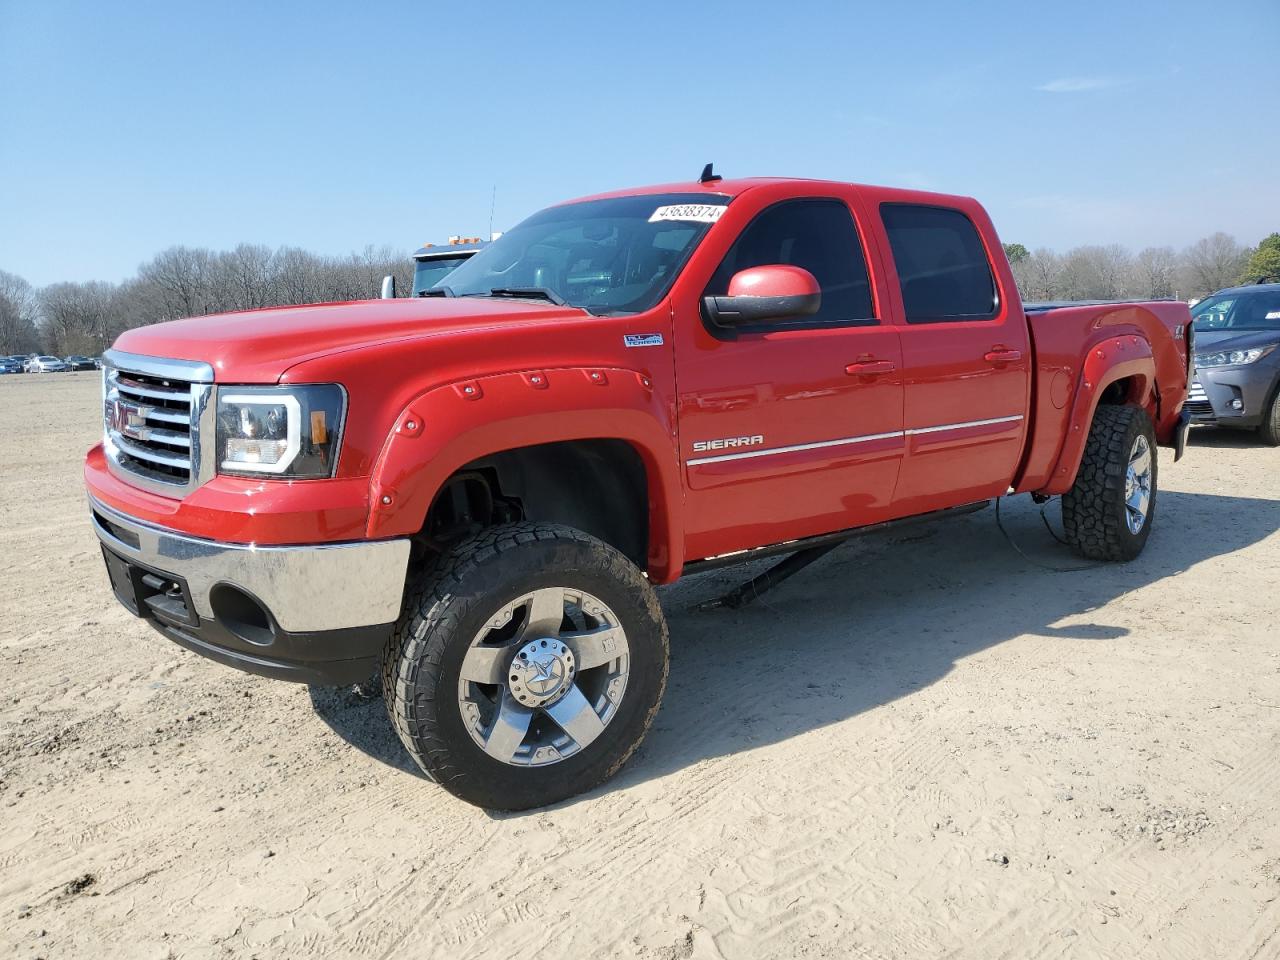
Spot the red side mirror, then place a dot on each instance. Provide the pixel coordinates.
(774, 280)
(766, 293)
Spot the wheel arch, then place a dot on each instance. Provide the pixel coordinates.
(1117, 371)
(603, 437)
(596, 485)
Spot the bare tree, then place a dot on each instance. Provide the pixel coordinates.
(1095, 273)
(1213, 263)
(243, 278)
(78, 316)
(1155, 271)
(18, 311)
(183, 275)
(1039, 275)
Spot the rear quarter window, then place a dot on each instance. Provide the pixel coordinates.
(942, 267)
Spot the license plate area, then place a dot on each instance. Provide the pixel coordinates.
(149, 593)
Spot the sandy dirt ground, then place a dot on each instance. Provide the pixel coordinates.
(925, 746)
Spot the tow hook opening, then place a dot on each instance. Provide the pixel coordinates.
(242, 614)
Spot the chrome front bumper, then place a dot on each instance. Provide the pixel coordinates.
(307, 589)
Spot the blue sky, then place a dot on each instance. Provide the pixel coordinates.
(126, 127)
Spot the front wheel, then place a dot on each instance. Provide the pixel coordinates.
(527, 666)
(1269, 429)
(1108, 512)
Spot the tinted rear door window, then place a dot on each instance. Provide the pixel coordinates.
(941, 264)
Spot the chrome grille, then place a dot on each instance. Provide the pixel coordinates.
(1198, 402)
(154, 412)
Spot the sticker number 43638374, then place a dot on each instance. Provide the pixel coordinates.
(692, 212)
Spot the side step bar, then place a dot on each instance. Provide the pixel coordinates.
(802, 553)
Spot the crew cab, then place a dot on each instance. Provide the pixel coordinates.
(474, 493)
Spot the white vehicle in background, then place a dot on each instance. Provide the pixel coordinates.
(45, 365)
(432, 263)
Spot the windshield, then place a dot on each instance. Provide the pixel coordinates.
(1239, 310)
(612, 256)
(430, 273)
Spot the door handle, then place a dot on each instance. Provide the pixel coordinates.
(869, 368)
(1002, 355)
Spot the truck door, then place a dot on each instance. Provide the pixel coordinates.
(967, 358)
(793, 428)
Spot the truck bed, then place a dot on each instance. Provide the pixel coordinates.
(1041, 306)
(1073, 343)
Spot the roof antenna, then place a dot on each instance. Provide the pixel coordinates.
(708, 176)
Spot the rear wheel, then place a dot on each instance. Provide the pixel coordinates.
(1108, 512)
(527, 666)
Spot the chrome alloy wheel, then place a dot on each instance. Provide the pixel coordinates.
(1137, 485)
(543, 677)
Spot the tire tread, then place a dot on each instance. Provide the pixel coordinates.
(435, 602)
(1092, 515)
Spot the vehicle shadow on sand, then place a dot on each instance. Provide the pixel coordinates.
(876, 620)
(1226, 438)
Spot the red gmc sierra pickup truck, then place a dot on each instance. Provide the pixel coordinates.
(474, 491)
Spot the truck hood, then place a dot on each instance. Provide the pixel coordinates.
(258, 346)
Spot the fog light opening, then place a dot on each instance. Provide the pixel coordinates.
(242, 614)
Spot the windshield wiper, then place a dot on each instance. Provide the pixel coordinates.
(440, 291)
(531, 293)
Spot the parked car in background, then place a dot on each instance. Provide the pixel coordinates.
(45, 365)
(1237, 378)
(80, 363)
(10, 365)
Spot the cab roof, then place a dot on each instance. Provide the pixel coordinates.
(733, 188)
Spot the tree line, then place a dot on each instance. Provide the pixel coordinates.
(84, 318)
(1113, 272)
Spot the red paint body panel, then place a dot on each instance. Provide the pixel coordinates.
(949, 381)
(1079, 352)
(791, 388)
(566, 405)
(242, 510)
(848, 415)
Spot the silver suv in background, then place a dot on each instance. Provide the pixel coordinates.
(1237, 375)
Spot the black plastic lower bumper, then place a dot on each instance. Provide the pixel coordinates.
(1180, 434)
(326, 657)
(212, 640)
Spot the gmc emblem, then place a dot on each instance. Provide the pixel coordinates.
(128, 419)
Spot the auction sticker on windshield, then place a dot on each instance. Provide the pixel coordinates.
(692, 212)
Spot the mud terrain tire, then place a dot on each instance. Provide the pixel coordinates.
(1094, 512)
(454, 601)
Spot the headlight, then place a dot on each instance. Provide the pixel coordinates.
(1225, 358)
(280, 431)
